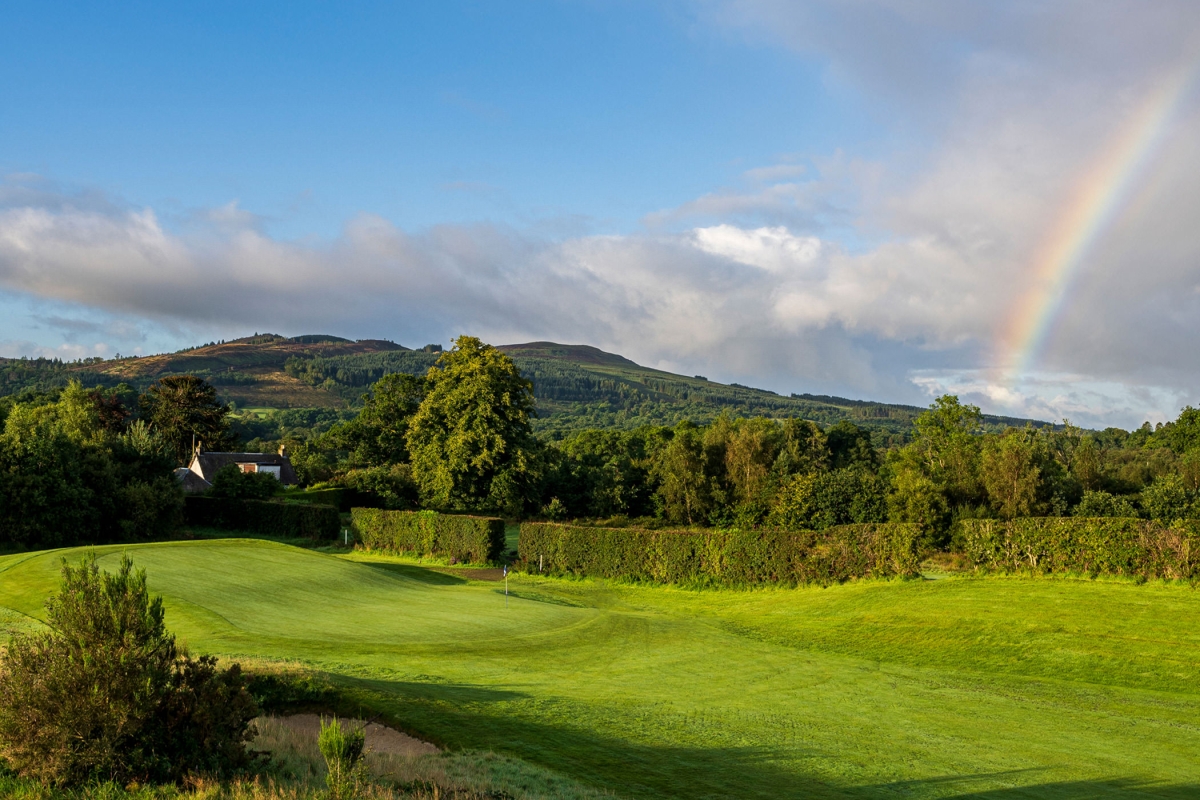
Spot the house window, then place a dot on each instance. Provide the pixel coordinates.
(249, 467)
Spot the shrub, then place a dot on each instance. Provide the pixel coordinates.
(231, 483)
(1103, 504)
(269, 518)
(428, 533)
(343, 752)
(389, 487)
(333, 496)
(1098, 545)
(106, 695)
(722, 557)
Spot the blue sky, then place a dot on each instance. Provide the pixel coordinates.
(806, 196)
(578, 114)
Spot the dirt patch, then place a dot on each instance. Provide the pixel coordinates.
(380, 738)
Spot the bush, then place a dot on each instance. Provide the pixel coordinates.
(343, 752)
(105, 695)
(386, 487)
(333, 496)
(1099, 545)
(727, 558)
(428, 533)
(1103, 504)
(269, 518)
(231, 483)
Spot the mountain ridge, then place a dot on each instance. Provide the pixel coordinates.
(576, 386)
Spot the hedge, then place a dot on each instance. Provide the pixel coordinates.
(1106, 545)
(267, 517)
(728, 558)
(325, 497)
(428, 533)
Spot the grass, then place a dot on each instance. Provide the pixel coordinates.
(993, 688)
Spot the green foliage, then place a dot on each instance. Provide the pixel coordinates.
(1102, 545)
(1010, 475)
(684, 476)
(269, 518)
(728, 558)
(342, 750)
(603, 473)
(474, 540)
(64, 478)
(230, 483)
(106, 695)
(822, 500)
(471, 442)
(378, 435)
(323, 496)
(1103, 504)
(1167, 499)
(391, 487)
(184, 409)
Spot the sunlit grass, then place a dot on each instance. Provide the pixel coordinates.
(945, 688)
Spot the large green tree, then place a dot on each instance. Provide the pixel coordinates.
(470, 440)
(185, 411)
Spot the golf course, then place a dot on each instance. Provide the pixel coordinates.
(931, 688)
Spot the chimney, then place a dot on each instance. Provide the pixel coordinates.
(283, 450)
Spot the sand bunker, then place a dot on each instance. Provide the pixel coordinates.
(380, 738)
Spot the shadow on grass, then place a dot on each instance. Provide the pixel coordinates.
(953, 788)
(416, 573)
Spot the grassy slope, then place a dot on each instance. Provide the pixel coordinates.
(985, 688)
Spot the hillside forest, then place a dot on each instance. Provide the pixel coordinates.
(97, 463)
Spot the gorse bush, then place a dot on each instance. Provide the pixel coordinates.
(730, 558)
(269, 518)
(106, 695)
(1099, 545)
(428, 533)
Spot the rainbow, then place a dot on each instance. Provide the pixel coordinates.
(1097, 200)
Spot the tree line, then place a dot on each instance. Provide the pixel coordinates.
(460, 438)
(737, 472)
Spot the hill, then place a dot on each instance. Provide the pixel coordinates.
(577, 386)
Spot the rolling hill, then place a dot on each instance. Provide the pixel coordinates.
(577, 386)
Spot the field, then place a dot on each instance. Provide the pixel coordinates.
(959, 687)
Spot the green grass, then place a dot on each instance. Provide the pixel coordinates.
(993, 688)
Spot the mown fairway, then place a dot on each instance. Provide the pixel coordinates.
(952, 688)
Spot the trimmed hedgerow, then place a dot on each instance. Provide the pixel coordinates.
(324, 497)
(730, 558)
(1095, 546)
(268, 517)
(428, 533)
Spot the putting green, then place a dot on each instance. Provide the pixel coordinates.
(993, 688)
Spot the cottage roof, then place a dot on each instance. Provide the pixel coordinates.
(192, 482)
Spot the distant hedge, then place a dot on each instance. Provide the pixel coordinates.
(267, 517)
(729, 558)
(428, 533)
(325, 497)
(1104, 545)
